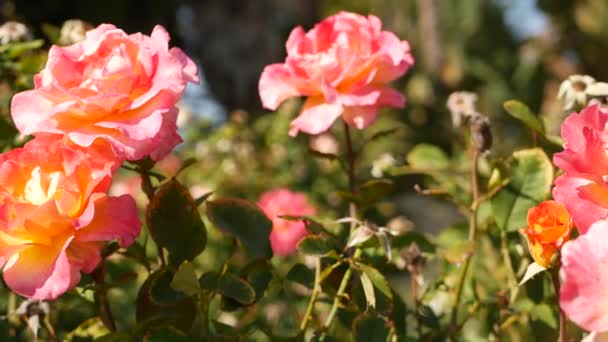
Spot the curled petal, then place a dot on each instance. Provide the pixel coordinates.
(41, 272)
(276, 85)
(316, 116)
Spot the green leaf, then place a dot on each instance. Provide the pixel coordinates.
(236, 288)
(373, 191)
(428, 158)
(302, 275)
(544, 313)
(243, 220)
(532, 270)
(314, 245)
(522, 113)
(174, 222)
(203, 198)
(166, 334)
(313, 224)
(259, 275)
(185, 280)
(377, 279)
(157, 301)
(209, 281)
(382, 134)
(328, 156)
(531, 179)
(370, 327)
(368, 289)
(428, 317)
(15, 49)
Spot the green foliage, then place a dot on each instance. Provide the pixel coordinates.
(370, 327)
(531, 176)
(427, 157)
(244, 221)
(315, 245)
(174, 222)
(157, 301)
(522, 113)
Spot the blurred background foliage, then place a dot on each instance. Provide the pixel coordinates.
(499, 49)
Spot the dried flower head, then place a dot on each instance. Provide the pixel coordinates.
(481, 132)
(13, 31)
(461, 104)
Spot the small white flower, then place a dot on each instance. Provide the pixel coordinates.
(73, 31)
(573, 91)
(381, 164)
(13, 31)
(461, 104)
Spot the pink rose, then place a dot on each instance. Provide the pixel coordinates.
(55, 215)
(118, 87)
(584, 295)
(343, 66)
(583, 188)
(285, 234)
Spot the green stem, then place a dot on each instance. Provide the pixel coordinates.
(352, 185)
(313, 297)
(340, 294)
(512, 278)
(562, 317)
(472, 239)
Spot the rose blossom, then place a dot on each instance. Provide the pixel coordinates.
(285, 234)
(118, 87)
(549, 227)
(584, 295)
(55, 215)
(583, 188)
(343, 66)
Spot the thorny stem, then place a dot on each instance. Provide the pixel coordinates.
(353, 213)
(472, 239)
(313, 297)
(101, 298)
(562, 317)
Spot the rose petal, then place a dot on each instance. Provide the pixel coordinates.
(584, 295)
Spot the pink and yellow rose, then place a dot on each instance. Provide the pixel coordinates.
(55, 215)
(584, 294)
(114, 86)
(285, 234)
(343, 65)
(583, 187)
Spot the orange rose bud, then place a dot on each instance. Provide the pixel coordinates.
(549, 227)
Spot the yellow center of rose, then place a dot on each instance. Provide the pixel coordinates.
(41, 187)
